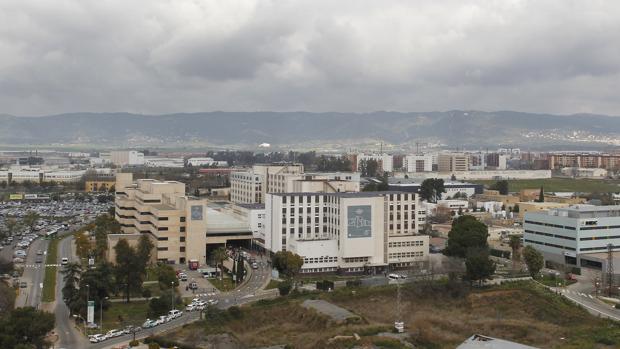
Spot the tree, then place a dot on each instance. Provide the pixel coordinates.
(467, 232)
(220, 255)
(541, 195)
(479, 266)
(515, 245)
(166, 276)
(143, 252)
(30, 220)
(129, 270)
(369, 168)
(501, 186)
(285, 287)
(287, 263)
(26, 326)
(533, 259)
(71, 276)
(162, 304)
(431, 189)
(515, 208)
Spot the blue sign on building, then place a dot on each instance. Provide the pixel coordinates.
(359, 221)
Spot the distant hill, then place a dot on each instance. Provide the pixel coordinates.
(451, 128)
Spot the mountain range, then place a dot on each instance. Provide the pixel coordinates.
(456, 128)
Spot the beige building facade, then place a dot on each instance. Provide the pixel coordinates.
(453, 162)
(175, 222)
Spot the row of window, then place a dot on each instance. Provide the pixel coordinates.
(551, 225)
(600, 238)
(405, 243)
(602, 227)
(181, 249)
(356, 260)
(406, 254)
(321, 260)
(550, 245)
(597, 248)
(550, 235)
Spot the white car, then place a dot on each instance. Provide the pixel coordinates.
(96, 338)
(190, 307)
(175, 313)
(213, 301)
(64, 261)
(20, 253)
(149, 323)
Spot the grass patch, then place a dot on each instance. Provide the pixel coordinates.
(272, 284)
(49, 282)
(561, 185)
(437, 315)
(224, 285)
(119, 315)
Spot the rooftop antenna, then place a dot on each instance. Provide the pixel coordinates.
(610, 269)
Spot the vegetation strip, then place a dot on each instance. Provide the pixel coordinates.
(49, 283)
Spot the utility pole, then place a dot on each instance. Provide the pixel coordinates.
(610, 269)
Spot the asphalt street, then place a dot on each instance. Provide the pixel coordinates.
(33, 275)
(68, 336)
(248, 292)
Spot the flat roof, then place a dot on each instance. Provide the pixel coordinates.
(252, 206)
(220, 221)
(361, 194)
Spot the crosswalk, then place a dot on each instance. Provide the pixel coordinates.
(37, 266)
(585, 295)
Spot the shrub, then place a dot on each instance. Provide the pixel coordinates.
(235, 312)
(617, 306)
(134, 343)
(153, 346)
(146, 293)
(325, 285)
(354, 283)
(285, 287)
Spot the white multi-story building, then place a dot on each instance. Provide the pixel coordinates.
(352, 232)
(126, 158)
(418, 163)
(38, 175)
(254, 214)
(246, 187)
(576, 236)
(251, 187)
(386, 161)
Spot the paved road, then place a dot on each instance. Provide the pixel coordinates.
(248, 292)
(590, 303)
(33, 275)
(68, 336)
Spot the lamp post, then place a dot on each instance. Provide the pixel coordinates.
(87, 294)
(101, 312)
(172, 294)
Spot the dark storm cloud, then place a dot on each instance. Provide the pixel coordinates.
(161, 56)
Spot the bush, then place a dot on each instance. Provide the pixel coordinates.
(146, 293)
(325, 285)
(285, 287)
(354, 283)
(617, 306)
(134, 343)
(153, 346)
(235, 312)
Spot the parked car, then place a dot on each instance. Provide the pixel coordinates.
(39, 259)
(64, 261)
(148, 323)
(254, 265)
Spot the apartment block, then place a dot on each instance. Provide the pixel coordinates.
(453, 162)
(246, 187)
(175, 223)
(352, 232)
(314, 182)
(584, 160)
(418, 163)
(126, 158)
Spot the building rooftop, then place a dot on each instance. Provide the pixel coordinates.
(362, 194)
(252, 206)
(221, 221)
(483, 342)
(586, 211)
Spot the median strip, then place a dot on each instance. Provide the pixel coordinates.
(49, 283)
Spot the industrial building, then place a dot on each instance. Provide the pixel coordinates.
(575, 236)
(364, 232)
(452, 188)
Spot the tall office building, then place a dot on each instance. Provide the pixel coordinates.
(352, 232)
(453, 162)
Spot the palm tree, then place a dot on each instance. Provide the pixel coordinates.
(220, 255)
(515, 245)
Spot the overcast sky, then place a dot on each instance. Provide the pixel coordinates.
(157, 56)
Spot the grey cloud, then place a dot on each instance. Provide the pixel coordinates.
(177, 56)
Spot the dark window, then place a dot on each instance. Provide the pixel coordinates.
(162, 239)
(182, 219)
(182, 248)
(182, 239)
(162, 249)
(182, 230)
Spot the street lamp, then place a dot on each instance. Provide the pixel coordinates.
(172, 294)
(87, 294)
(101, 312)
